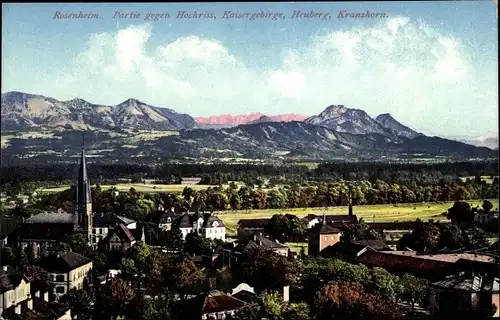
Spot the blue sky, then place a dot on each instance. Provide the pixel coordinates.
(432, 65)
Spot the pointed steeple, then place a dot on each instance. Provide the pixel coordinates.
(83, 186)
(350, 201)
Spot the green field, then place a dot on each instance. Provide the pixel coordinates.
(487, 179)
(370, 213)
(139, 187)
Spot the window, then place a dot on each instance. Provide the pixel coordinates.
(59, 278)
(60, 289)
(326, 238)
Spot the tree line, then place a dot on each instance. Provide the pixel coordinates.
(222, 173)
(137, 205)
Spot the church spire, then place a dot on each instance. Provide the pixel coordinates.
(83, 200)
(350, 200)
(83, 187)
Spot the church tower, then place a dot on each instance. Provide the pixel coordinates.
(83, 200)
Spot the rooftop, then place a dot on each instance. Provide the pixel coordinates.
(447, 257)
(51, 217)
(324, 228)
(469, 282)
(64, 262)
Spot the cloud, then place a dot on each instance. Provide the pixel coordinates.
(400, 66)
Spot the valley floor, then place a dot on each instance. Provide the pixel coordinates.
(370, 213)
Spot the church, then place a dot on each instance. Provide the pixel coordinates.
(43, 232)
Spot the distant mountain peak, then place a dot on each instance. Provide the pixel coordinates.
(22, 111)
(394, 126)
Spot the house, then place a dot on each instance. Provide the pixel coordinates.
(247, 227)
(428, 266)
(485, 217)
(120, 238)
(320, 236)
(460, 293)
(161, 219)
(67, 270)
(211, 305)
(244, 293)
(15, 293)
(229, 252)
(17, 300)
(207, 225)
(104, 222)
(190, 181)
(334, 219)
(350, 250)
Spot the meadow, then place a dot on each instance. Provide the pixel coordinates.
(139, 187)
(370, 213)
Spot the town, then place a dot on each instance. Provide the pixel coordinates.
(178, 264)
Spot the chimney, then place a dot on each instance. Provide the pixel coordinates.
(350, 202)
(286, 293)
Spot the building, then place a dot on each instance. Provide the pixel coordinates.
(17, 300)
(350, 250)
(428, 266)
(207, 225)
(462, 293)
(230, 252)
(42, 233)
(320, 236)
(485, 217)
(104, 222)
(336, 220)
(161, 219)
(211, 305)
(190, 181)
(67, 270)
(120, 238)
(15, 293)
(247, 227)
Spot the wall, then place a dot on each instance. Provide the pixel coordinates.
(328, 240)
(78, 275)
(15, 296)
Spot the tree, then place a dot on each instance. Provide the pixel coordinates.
(279, 227)
(265, 269)
(350, 301)
(414, 289)
(182, 276)
(461, 212)
(118, 295)
(487, 206)
(475, 238)
(81, 303)
(79, 243)
(196, 245)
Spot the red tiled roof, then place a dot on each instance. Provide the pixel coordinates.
(447, 257)
(388, 259)
(123, 232)
(220, 302)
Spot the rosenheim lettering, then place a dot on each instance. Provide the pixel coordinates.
(79, 15)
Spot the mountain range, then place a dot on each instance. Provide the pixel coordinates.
(35, 125)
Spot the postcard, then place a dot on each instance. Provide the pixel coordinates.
(249, 160)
